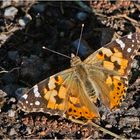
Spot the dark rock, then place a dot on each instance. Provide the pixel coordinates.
(39, 7)
(84, 49)
(81, 16)
(31, 68)
(106, 35)
(10, 89)
(8, 78)
(13, 55)
(20, 91)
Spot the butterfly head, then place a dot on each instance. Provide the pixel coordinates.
(75, 60)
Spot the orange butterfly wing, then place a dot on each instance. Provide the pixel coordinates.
(59, 94)
(114, 61)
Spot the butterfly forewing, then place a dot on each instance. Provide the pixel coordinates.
(117, 55)
(60, 94)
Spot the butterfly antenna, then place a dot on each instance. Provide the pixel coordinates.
(80, 39)
(56, 52)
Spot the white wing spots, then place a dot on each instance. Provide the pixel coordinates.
(51, 83)
(132, 45)
(129, 50)
(26, 102)
(25, 96)
(31, 103)
(107, 51)
(35, 89)
(37, 103)
(133, 40)
(129, 36)
(120, 42)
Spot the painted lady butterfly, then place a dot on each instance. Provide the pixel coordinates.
(74, 92)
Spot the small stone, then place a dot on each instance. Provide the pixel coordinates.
(11, 113)
(13, 100)
(29, 131)
(108, 126)
(2, 94)
(10, 12)
(25, 20)
(103, 117)
(12, 132)
(96, 135)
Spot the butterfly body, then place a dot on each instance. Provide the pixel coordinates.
(74, 92)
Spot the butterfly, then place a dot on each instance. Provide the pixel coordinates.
(75, 92)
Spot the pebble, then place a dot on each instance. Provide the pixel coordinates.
(25, 20)
(11, 113)
(12, 100)
(2, 94)
(10, 12)
(29, 131)
(12, 132)
(108, 126)
(103, 117)
(96, 134)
